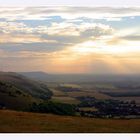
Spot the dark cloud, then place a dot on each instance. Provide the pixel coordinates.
(35, 47)
(131, 37)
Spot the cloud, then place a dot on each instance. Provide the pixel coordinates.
(18, 36)
(63, 28)
(69, 39)
(92, 12)
(131, 37)
(67, 12)
(23, 38)
(37, 47)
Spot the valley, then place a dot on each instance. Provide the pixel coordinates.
(88, 106)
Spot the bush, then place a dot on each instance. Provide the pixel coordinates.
(53, 107)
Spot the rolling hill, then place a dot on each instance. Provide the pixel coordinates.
(18, 92)
(32, 87)
(14, 98)
(42, 76)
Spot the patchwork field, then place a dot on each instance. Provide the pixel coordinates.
(68, 93)
(63, 99)
(12, 121)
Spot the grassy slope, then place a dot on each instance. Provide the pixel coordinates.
(14, 98)
(12, 121)
(31, 87)
(18, 92)
(18, 102)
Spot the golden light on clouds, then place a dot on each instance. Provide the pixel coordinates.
(70, 39)
(8, 38)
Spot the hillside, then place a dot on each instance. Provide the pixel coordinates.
(31, 87)
(18, 92)
(14, 98)
(12, 121)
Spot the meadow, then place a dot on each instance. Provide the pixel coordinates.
(12, 121)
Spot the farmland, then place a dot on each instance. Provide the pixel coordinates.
(68, 106)
(99, 91)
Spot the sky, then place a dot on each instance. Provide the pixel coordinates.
(70, 2)
(70, 39)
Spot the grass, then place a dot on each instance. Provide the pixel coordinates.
(19, 102)
(63, 97)
(58, 93)
(88, 109)
(12, 121)
(71, 85)
(89, 93)
(67, 100)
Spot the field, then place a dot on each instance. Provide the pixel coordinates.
(12, 121)
(117, 91)
(63, 97)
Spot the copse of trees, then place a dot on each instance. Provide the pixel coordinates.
(108, 108)
(53, 107)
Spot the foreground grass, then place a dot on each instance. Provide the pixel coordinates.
(12, 121)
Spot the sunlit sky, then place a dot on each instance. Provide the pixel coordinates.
(70, 2)
(70, 39)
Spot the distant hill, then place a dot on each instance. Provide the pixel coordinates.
(19, 92)
(38, 75)
(42, 76)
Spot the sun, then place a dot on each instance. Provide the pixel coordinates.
(90, 47)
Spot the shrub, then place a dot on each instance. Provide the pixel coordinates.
(53, 107)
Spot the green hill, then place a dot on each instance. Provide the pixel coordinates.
(18, 92)
(14, 98)
(31, 87)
